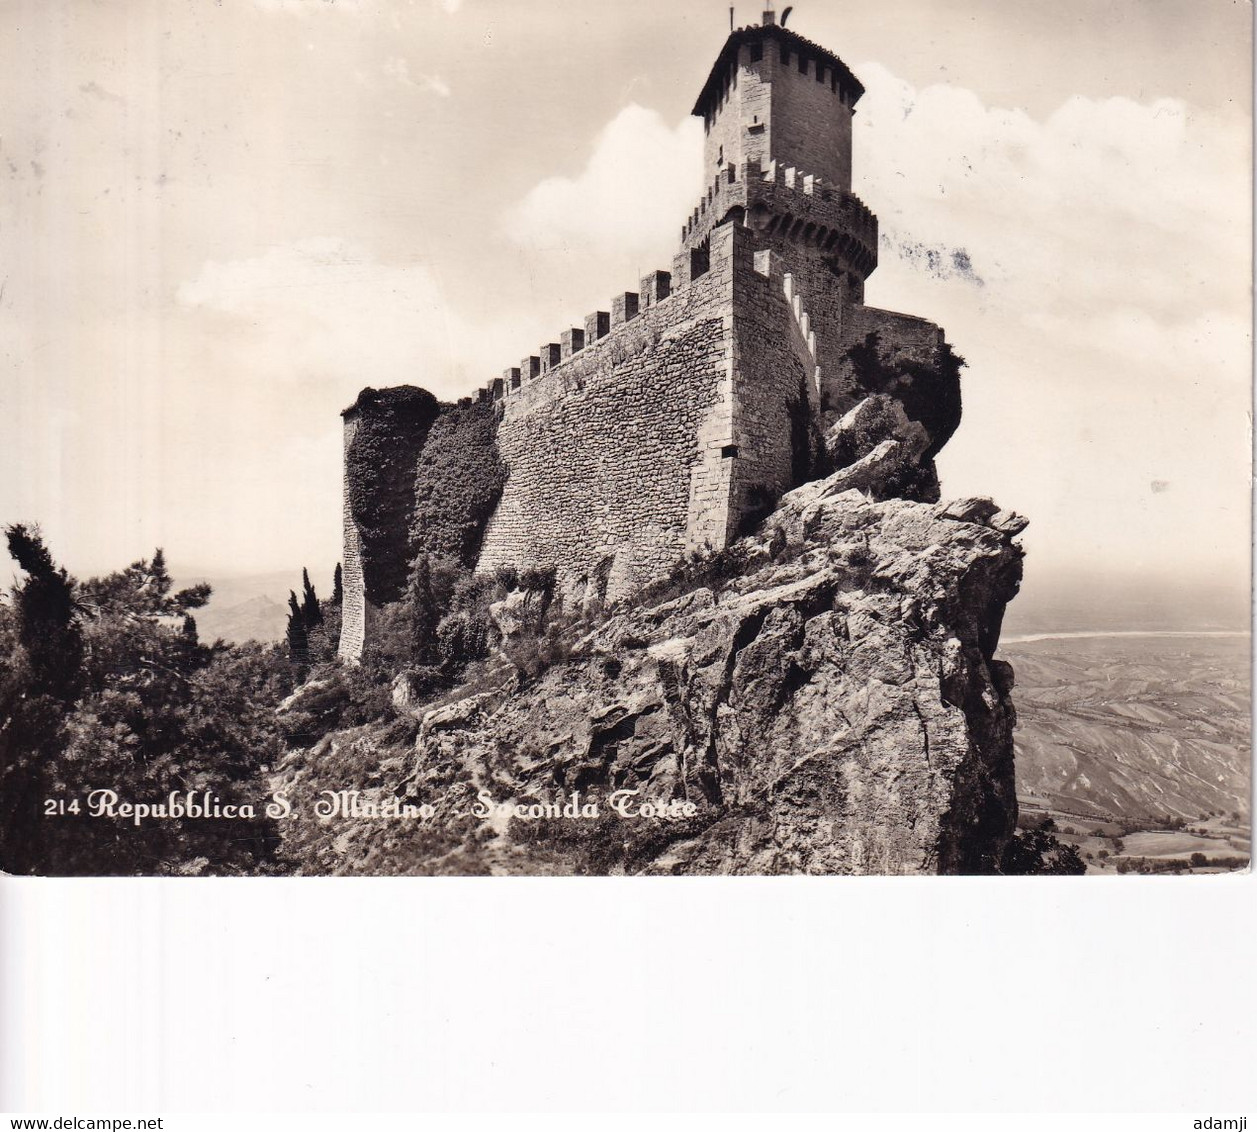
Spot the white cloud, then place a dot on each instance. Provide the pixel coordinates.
(258, 359)
(1107, 201)
(641, 180)
(326, 310)
(1108, 342)
(398, 70)
(436, 85)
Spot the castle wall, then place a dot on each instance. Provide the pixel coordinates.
(671, 426)
(914, 365)
(615, 456)
(900, 337)
(671, 434)
(837, 320)
(903, 335)
(825, 296)
(772, 399)
(354, 610)
(672, 421)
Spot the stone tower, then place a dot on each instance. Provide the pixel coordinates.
(773, 95)
(673, 421)
(777, 111)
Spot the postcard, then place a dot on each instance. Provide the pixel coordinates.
(556, 439)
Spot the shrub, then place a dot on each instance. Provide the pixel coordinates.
(458, 480)
(706, 568)
(137, 706)
(460, 639)
(1037, 853)
(929, 391)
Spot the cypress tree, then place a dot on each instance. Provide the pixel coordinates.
(309, 602)
(423, 617)
(338, 589)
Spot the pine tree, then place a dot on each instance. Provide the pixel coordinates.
(309, 602)
(338, 589)
(46, 608)
(189, 627)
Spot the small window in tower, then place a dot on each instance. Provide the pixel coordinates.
(728, 451)
(820, 73)
(757, 52)
(803, 64)
(833, 81)
(720, 156)
(784, 53)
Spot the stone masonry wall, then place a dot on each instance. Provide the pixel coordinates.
(738, 131)
(672, 429)
(771, 367)
(615, 456)
(811, 121)
(667, 423)
(900, 336)
(354, 606)
(825, 295)
(839, 321)
(769, 108)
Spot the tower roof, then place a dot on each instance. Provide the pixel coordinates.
(759, 33)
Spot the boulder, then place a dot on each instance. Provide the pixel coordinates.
(881, 451)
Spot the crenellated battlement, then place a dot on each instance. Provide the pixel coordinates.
(600, 329)
(765, 196)
(793, 204)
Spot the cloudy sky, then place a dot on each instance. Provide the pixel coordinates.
(221, 218)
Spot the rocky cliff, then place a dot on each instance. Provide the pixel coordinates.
(820, 698)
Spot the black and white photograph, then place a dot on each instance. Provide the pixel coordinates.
(486, 439)
(501, 439)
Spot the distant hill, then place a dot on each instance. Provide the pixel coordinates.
(246, 607)
(1134, 727)
(256, 619)
(1053, 603)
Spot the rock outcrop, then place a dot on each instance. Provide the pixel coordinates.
(879, 450)
(820, 698)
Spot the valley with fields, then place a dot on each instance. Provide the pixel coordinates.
(1135, 747)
